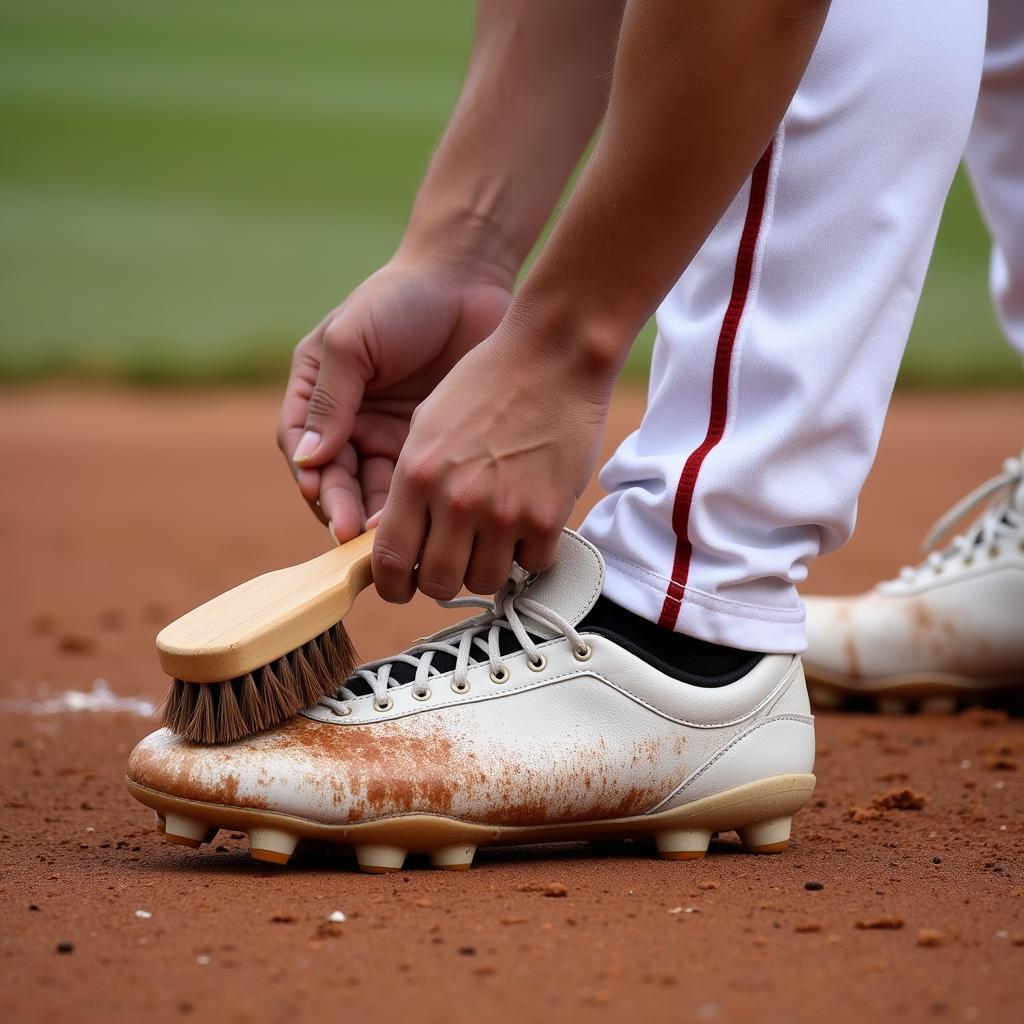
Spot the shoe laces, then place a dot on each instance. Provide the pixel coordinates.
(479, 635)
(1002, 519)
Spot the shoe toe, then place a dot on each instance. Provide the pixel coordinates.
(166, 763)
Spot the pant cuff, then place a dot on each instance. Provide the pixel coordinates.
(702, 615)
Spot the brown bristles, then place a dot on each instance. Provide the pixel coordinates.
(229, 711)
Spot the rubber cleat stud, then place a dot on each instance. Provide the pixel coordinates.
(271, 845)
(892, 706)
(187, 831)
(766, 836)
(682, 845)
(453, 858)
(376, 859)
(939, 704)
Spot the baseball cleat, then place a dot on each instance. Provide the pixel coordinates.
(519, 725)
(945, 632)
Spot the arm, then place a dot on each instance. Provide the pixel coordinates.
(535, 89)
(501, 450)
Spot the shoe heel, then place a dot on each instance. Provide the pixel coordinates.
(766, 836)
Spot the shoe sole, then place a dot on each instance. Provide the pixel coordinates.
(760, 812)
(926, 691)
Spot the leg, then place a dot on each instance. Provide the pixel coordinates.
(778, 348)
(947, 632)
(995, 160)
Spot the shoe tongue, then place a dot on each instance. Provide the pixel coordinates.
(571, 586)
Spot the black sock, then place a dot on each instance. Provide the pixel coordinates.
(694, 661)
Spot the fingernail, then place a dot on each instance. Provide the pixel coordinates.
(334, 536)
(308, 443)
(374, 520)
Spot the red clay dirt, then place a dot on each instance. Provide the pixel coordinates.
(901, 896)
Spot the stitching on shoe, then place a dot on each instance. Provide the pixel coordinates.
(506, 689)
(686, 783)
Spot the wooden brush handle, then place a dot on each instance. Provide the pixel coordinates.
(265, 618)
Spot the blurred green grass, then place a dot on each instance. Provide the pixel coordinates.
(186, 187)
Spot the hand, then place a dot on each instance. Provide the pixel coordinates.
(358, 377)
(492, 467)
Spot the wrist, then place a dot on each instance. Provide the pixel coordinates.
(467, 242)
(565, 338)
(574, 329)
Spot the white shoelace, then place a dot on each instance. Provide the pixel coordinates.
(1003, 519)
(482, 633)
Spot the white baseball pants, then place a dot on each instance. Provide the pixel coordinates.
(778, 348)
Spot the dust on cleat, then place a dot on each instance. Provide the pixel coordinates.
(514, 726)
(945, 632)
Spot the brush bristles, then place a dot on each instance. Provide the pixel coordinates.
(229, 711)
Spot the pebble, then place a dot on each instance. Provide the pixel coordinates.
(555, 890)
(808, 926)
(930, 938)
(65, 947)
(144, 914)
(336, 917)
(814, 886)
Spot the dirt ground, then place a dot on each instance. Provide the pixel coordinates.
(120, 510)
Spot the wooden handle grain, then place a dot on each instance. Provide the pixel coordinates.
(261, 620)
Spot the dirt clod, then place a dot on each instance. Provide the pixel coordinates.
(930, 938)
(884, 922)
(555, 890)
(814, 886)
(65, 947)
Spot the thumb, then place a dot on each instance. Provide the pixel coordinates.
(335, 398)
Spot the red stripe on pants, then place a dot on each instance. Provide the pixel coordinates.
(719, 391)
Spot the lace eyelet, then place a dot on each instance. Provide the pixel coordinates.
(583, 653)
(343, 713)
(421, 695)
(462, 687)
(385, 706)
(501, 676)
(539, 665)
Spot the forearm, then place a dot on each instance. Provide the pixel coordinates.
(536, 87)
(699, 90)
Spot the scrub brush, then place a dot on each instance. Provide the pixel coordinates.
(260, 653)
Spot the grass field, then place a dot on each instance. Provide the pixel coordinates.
(185, 187)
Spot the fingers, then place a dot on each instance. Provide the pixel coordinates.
(341, 499)
(490, 562)
(537, 550)
(375, 475)
(445, 557)
(335, 396)
(397, 545)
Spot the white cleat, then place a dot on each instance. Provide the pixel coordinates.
(556, 734)
(946, 631)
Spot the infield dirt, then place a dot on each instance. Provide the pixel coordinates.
(901, 895)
